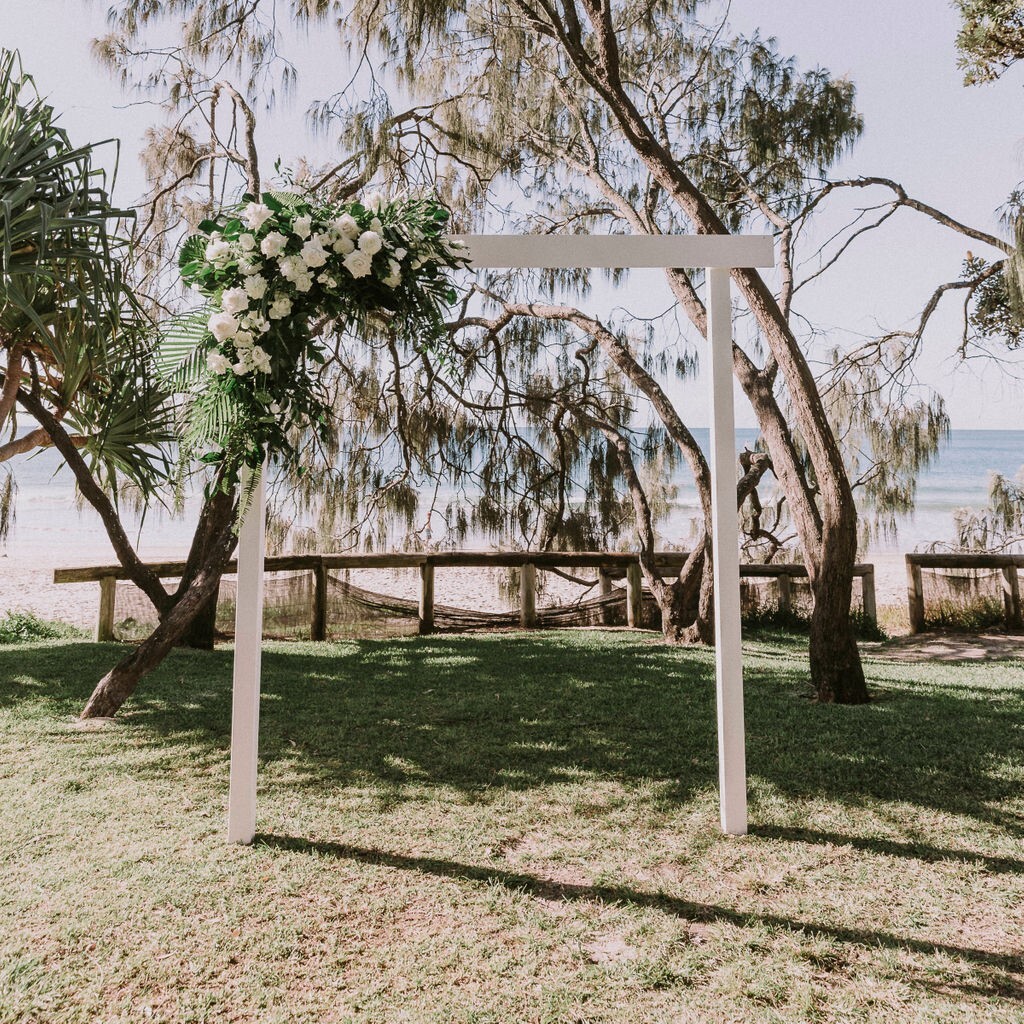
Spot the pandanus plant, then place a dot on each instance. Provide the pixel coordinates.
(75, 346)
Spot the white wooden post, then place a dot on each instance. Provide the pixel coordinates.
(732, 768)
(245, 692)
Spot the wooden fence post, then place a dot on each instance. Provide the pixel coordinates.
(105, 618)
(867, 596)
(528, 595)
(1011, 596)
(634, 596)
(318, 614)
(785, 593)
(915, 596)
(604, 588)
(426, 612)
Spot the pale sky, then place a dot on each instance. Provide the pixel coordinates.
(959, 149)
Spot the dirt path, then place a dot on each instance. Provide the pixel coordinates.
(937, 646)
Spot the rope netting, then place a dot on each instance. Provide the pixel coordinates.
(760, 596)
(355, 611)
(381, 603)
(962, 597)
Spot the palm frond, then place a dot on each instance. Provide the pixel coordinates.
(181, 348)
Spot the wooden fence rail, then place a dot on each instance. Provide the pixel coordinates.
(610, 565)
(1008, 564)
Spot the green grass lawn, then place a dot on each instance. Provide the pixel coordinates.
(511, 828)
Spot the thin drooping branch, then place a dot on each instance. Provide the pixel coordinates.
(917, 334)
(903, 199)
(626, 362)
(250, 159)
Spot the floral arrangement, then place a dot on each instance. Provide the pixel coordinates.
(280, 272)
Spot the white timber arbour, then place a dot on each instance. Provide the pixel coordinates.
(719, 254)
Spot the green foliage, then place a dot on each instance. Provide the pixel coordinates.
(277, 272)
(890, 432)
(973, 615)
(1000, 526)
(770, 619)
(66, 306)
(18, 627)
(991, 38)
(995, 308)
(472, 99)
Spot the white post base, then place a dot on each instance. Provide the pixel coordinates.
(245, 693)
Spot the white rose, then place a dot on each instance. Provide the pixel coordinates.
(344, 245)
(259, 324)
(247, 242)
(358, 263)
(255, 215)
(375, 225)
(217, 251)
(280, 307)
(400, 254)
(303, 226)
(240, 368)
(255, 323)
(242, 340)
(394, 278)
(291, 267)
(218, 362)
(313, 253)
(346, 225)
(256, 286)
(222, 326)
(261, 359)
(327, 281)
(273, 244)
(370, 242)
(234, 300)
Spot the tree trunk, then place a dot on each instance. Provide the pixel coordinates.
(218, 511)
(120, 682)
(829, 537)
(686, 616)
(202, 631)
(835, 661)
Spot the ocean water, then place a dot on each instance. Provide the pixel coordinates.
(959, 477)
(49, 521)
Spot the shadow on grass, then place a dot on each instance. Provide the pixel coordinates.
(891, 848)
(517, 710)
(1002, 974)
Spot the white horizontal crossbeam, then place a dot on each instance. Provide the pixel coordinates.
(619, 251)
